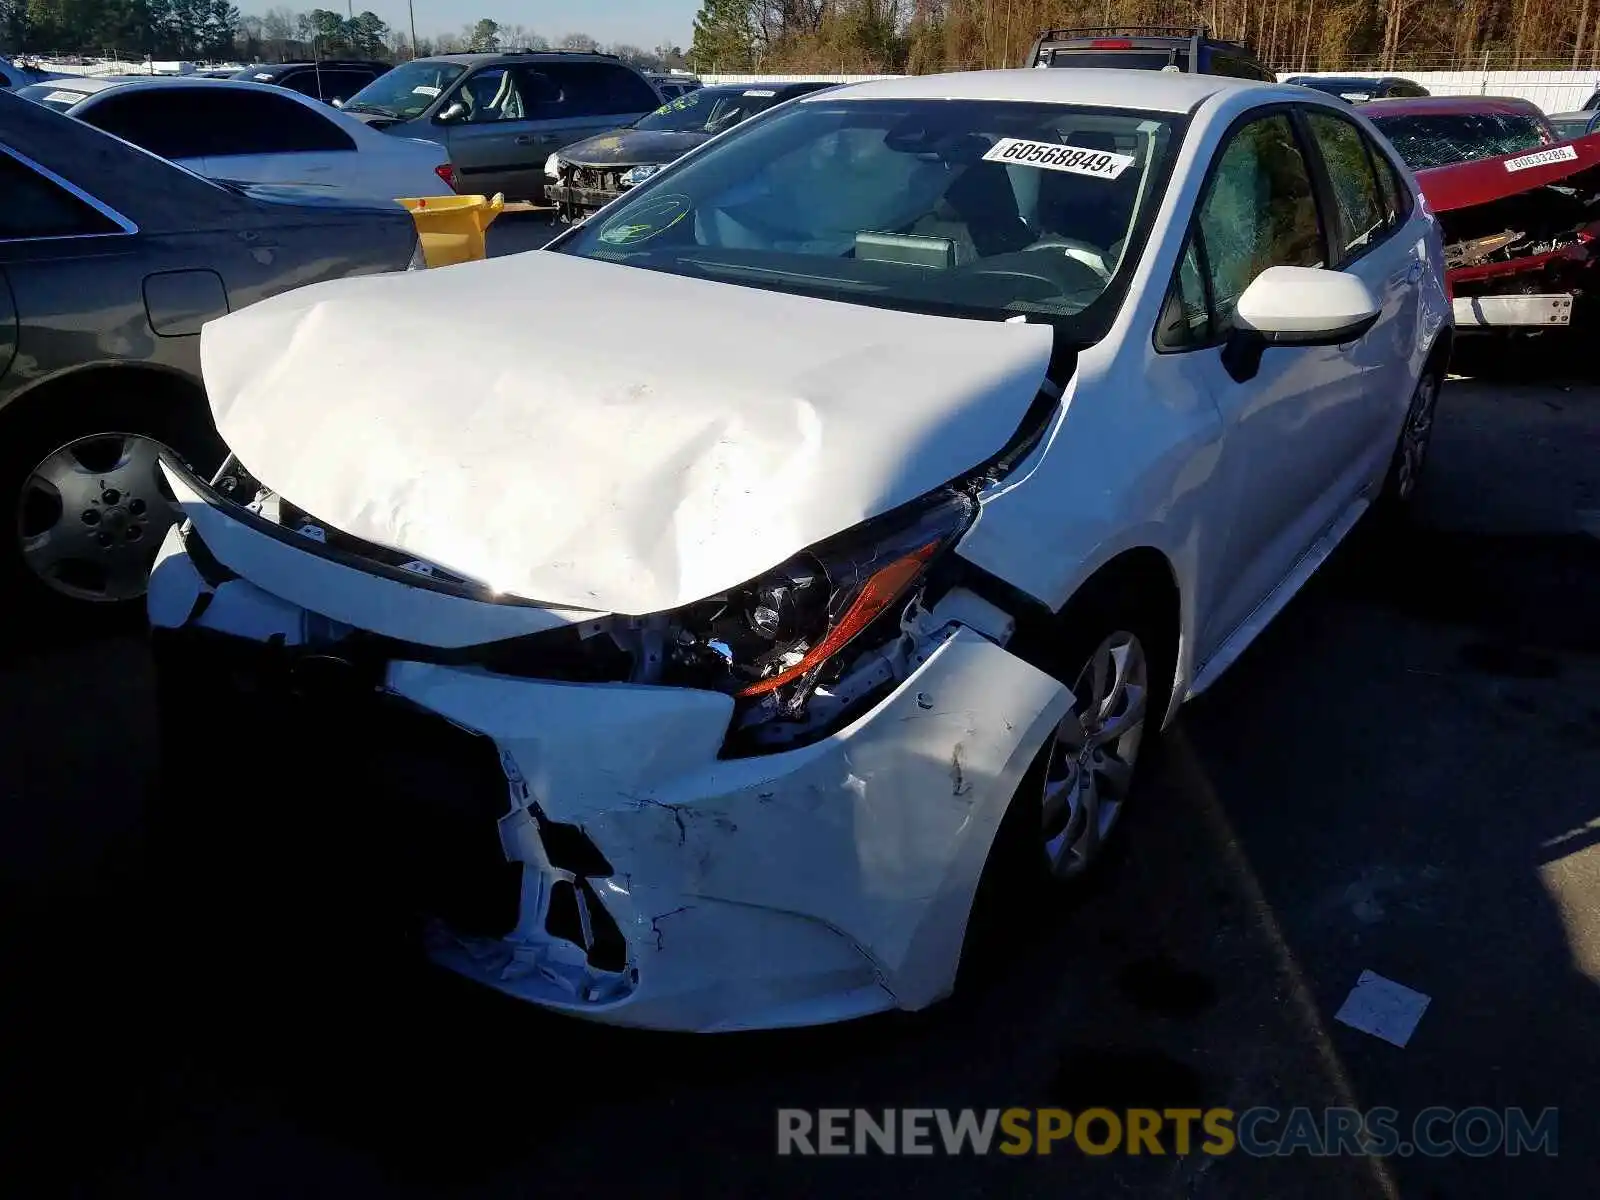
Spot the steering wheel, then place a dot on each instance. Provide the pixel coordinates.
(1090, 256)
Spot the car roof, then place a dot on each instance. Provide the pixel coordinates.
(498, 58)
(93, 86)
(1444, 106)
(1151, 91)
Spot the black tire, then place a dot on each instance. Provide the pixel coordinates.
(1018, 881)
(36, 428)
(1400, 484)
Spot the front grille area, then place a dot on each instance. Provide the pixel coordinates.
(597, 180)
(352, 793)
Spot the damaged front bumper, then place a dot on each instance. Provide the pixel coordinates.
(586, 846)
(576, 204)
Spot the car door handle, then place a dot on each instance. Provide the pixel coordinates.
(529, 139)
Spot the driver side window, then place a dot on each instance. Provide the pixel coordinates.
(1259, 210)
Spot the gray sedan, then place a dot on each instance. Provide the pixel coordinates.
(111, 260)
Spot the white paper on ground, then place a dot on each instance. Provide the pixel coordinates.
(1383, 1008)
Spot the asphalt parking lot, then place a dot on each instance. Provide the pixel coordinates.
(1400, 776)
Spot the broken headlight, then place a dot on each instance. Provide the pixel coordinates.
(771, 642)
(634, 176)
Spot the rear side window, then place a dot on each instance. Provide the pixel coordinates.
(36, 207)
(261, 123)
(1361, 211)
(216, 123)
(600, 89)
(162, 122)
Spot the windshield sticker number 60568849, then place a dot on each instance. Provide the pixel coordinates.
(1052, 156)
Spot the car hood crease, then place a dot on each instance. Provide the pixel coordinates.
(602, 437)
(1485, 180)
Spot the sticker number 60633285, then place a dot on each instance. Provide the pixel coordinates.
(1052, 156)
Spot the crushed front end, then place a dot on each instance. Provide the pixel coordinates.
(1520, 235)
(677, 823)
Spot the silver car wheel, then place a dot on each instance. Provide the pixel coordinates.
(93, 514)
(1093, 754)
(1416, 435)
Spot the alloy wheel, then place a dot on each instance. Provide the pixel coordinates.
(93, 514)
(1093, 754)
(1415, 436)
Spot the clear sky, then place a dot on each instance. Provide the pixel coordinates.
(645, 23)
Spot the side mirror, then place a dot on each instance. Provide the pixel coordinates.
(1296, 306)
(453, 112)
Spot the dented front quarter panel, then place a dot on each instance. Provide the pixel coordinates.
(812, 885)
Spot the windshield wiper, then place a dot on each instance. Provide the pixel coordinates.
(376, 109)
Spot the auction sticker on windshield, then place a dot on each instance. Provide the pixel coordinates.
(1052, 156)
(1559, 154)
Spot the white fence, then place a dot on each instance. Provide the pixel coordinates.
(1553, 91)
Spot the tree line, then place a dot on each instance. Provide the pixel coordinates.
(916, 36)
(216, 31)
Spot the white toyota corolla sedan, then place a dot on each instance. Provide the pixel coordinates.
(709, 602)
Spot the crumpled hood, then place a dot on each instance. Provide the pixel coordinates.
(633, 147)
(604, 437)
(1485, 180)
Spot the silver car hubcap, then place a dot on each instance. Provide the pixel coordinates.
(1093, 754)
(1416, 435)
(92, 517)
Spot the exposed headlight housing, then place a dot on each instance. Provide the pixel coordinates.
(634, 176)
(552, 167)
(772, 642)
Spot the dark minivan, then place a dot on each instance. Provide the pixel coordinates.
(1187, 48)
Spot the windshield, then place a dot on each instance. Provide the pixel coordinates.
(407, 91)
(708, 110)
(977, 208)
(1121, 60)
(1437, 141)
(51, 95)
(1570, 127)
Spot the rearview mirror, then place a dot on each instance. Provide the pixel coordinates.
(454, 111)
(1296, 306)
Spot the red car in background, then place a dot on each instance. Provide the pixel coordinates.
(1519, 207)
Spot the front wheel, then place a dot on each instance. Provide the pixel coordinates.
(1073, 800)
(87, 504)
(1416, 438)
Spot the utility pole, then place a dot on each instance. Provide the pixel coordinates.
(411, 6)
